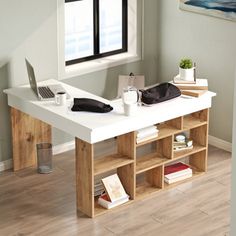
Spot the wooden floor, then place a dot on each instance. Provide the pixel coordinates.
(34, 204)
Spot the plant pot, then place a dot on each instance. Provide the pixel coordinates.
(186, 74)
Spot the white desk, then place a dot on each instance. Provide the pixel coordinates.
(32, 121)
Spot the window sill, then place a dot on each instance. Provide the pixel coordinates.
(99, 64)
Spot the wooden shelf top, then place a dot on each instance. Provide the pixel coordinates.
(148, 162)
(184, 153)
(110, 162)
(191, 122)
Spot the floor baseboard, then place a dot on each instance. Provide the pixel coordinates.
(6, 165)
(222, 144)
(64, 147)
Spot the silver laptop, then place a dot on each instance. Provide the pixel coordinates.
(42, 92)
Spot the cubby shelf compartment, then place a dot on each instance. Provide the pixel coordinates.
(192, 122)
(195, 119)
(146, 189)
(184, 153)
(110, 162)
(166, 130)
(148, 162)
(149, 181)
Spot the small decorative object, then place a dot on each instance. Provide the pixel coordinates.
(225, 9)
(186, 69)
(114, 188)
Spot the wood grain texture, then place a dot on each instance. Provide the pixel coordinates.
(199, 160)
(165, 147)
(155, 176)
(26, 133)
(176, 123)
(110, 162)
(84, 177)
(127, 177)
(126, 145)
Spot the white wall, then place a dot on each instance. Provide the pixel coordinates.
(211, 43)
(29, 29)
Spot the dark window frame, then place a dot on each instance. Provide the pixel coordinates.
(97, 54)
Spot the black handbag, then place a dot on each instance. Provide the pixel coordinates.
(88, 104)
(160, 93)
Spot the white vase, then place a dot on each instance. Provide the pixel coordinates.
(186, 74)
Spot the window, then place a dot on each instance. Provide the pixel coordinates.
(94, 29)
(67, 53)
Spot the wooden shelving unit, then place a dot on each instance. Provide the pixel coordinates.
(150, 166)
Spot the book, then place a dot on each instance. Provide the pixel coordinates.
(193, 93)
(176, 149)
(104, 201)
(140, 140)
(178, 80)
(201, 84)
(114, 188)
(147, 131)
(175, 167)
(178, 173)
(179, 178)
(187, 142)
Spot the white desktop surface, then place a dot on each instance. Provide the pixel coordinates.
(94, 127)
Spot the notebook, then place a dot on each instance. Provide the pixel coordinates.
(42, 92)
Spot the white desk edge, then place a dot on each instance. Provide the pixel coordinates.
(95, 127)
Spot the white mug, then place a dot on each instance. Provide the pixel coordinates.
(130, 108)
(130, 99)
(60, 98)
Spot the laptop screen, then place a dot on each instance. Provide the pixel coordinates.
(31, 75)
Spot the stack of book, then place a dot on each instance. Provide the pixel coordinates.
(98, 188)
(146, 134)
(191, 88)
(114, 194)
(185, 144)
(177, 172)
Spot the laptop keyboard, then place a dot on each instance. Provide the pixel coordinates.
(46, 92)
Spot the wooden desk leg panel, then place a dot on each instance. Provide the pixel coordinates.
(26, 133)
(84, 177)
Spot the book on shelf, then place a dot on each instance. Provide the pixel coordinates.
(187, 144)
(104, 201)
(175, 168)
(145, 132)
(140, 140)
(114, 188)
(176, 172)
(98, 189)
(176, 149)
(179, 178)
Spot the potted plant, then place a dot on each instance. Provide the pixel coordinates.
(186, 69)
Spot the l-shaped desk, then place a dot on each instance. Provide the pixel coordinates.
(32, 121)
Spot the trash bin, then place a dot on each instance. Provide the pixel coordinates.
(44, 158)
